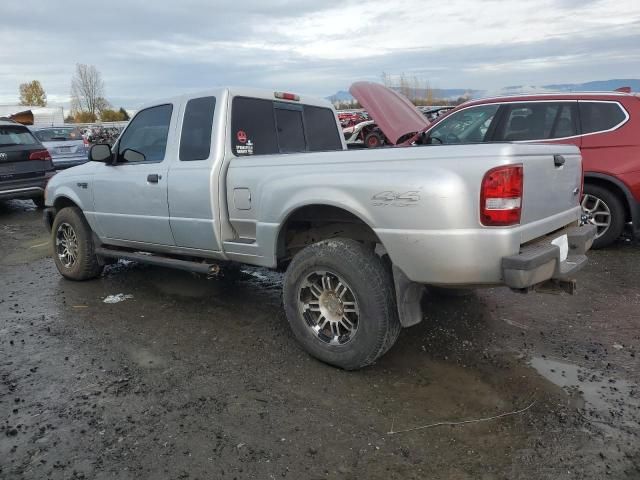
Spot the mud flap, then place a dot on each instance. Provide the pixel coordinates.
(408, 297)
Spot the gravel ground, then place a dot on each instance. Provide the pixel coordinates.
(195, 377)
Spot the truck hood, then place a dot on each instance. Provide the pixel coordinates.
(394, 113)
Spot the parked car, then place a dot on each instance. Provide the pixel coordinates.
(364, 134)
(25, 164)
(67, 146)
(263, 178)
(605, 126)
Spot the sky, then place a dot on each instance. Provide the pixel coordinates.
(147, 50)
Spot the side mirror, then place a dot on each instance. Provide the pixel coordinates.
(100, 153)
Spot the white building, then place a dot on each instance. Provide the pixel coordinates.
(42, 116)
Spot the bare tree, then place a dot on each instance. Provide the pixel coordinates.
(87, 90)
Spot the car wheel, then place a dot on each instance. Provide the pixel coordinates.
(39, 201)
(340, 303)
(73, 248)
(606, 212)
(373, 140)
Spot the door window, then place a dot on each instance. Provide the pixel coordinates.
(145, 139)
(469, 125)
(195, 140)
(600, 116)
(536, 121)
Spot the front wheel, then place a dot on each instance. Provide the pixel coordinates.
(339, 300)
(73, 248)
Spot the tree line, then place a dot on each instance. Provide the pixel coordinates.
(88, 101)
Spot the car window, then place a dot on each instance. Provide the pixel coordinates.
(290, 130)
(536, 121)
(15, 135)
(600, 116)
(261, 127)
(253, 127)
(147, 134)
(195, 140)
(321, 129)
(468, 125)
(58, 134)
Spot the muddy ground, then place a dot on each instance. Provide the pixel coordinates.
(196, 377)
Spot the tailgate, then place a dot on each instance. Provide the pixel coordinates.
(552, 181)
(15, 163)
(70, 148)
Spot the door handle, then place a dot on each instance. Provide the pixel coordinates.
(153, 178)
(558, 160)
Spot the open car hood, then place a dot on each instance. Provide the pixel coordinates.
(394, 113)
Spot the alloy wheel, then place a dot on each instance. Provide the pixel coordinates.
(329, 307)
(67, 245)
(599, 213)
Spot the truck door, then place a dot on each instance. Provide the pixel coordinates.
(130, 196)
(193, 184)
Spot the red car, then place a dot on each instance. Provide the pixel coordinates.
(605, 126)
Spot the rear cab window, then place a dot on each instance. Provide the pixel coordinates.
(263, 127)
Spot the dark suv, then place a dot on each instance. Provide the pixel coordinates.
(25, 165)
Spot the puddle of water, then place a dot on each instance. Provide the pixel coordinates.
(608, 397)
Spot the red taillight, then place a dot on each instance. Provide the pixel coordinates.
(40, 155)
(286, 96)
(501, 196)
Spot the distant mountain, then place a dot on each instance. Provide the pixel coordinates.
(455, 93)
(598, 85)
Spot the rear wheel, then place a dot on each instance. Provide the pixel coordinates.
(607, 214)
(73, 248)
(338, 297)
(373, 140)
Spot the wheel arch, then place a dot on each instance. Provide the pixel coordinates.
(617, 188)
(319, 221)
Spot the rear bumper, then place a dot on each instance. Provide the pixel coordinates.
(25, 188)
(541, 261)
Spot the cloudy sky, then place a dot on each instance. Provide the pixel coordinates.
(149, 49)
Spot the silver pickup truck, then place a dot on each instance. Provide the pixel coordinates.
(240, 176)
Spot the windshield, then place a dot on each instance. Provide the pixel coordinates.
(58, 134)
(469, 125)
(15, 135)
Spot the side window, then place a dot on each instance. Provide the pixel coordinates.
(321, 128)
(290, 129)
(536, 121)
(600, 116)
(469, 125)
(253, 127)
(565, 123)
(195, 140)
(147, 135)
